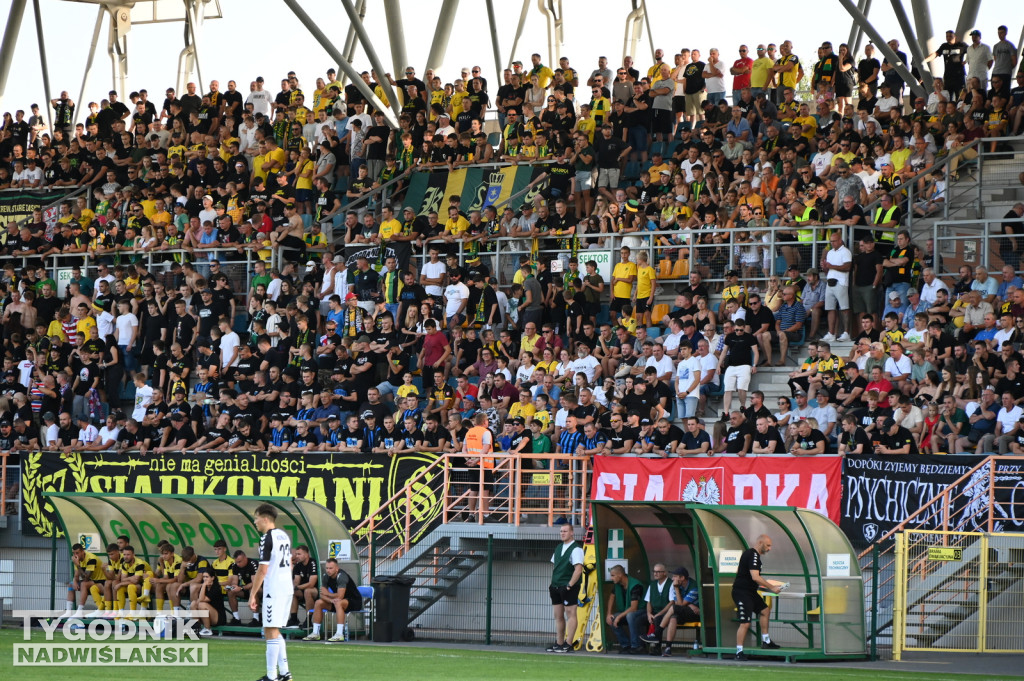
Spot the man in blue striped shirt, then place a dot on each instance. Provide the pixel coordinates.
(570, 438)
(789, 321)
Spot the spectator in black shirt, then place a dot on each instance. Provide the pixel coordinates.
(809, 440)
(853, 439)
(895, 439)
(766, 438)
(739, 359)
(737, 438)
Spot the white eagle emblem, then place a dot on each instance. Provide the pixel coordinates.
(702, 490)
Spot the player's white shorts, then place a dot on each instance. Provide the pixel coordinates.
(277, 604)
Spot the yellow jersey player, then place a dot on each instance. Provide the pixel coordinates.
(134, 579)
(222, 565)
(166, 578)
(88, 579)
(189, 576)
(111, 572)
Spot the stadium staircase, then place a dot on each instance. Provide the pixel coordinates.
(944, 607)
(437, 565)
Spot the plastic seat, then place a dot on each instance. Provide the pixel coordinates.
(653, 331)
(367, 611)
(665, 269)
(632, 171)
(494, 139)
(681, 269)
(658, 312)
(657, 148)
(672, 146)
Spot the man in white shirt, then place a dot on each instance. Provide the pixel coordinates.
(660, 361)
(897, 368)
(931, 286)
(1007, 424)
(143, 397)
(87, 434)
(688, 378)
(107, 437)
(585, 363)
(979, 59)
(247, 137)
(708, 371)
(456, 297)
(822, 159)
(127, 331)
(1005, 332)
(444, 126)
(432, 274)
(838, 261)
(673, 338)
(229, 343)
(258, 97)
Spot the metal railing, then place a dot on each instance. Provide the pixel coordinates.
(674, 253)
(978, 242)
(521, 488)
(981, 485)
(12, 494)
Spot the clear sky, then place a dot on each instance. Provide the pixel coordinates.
(263, 37)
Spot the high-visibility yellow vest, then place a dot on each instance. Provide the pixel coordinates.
(805, 235)
(885, 235)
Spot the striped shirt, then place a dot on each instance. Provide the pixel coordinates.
(790, 315)
(568, 441)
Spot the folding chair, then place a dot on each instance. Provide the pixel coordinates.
(366, 614)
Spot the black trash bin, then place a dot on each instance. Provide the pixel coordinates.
(391, 596)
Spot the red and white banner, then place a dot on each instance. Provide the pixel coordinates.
(809, 482)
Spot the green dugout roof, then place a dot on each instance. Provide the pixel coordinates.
(96, 520)
(820, 615)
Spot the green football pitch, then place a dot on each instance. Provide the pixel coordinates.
(243, 659)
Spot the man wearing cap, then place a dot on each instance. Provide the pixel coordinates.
(979, 59)
(895, 439)
(683, 606)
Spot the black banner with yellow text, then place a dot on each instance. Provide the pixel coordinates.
(350, 485)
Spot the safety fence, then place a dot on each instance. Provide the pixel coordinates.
(987, 493)
(533, 489)
(981, 242)
(757, 253)
(958, 592)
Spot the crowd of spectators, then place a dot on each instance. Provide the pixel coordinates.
(392, 354)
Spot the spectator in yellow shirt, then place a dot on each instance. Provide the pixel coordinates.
(389, 226)
(455, 225)
(623, 277)
(646, 281)
(543, 73)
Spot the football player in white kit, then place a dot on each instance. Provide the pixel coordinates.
(275, 576)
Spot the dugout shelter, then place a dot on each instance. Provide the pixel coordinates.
(819, 616)
(95, 520)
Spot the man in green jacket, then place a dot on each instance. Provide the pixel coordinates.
(565, 588)
(624, 600)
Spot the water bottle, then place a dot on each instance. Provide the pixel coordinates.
(345, 626)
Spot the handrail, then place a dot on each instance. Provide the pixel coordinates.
(377, 190)
(80, 190)
(944, 496)
(402, 492)
(3, 482)
(940, 162)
